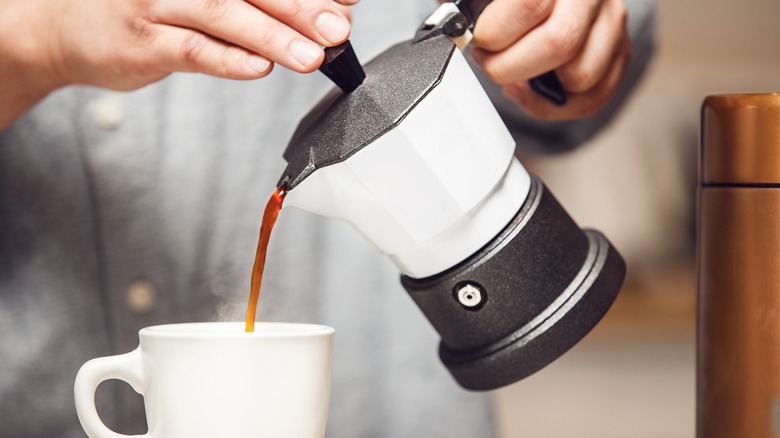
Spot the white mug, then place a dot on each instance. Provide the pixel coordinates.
(207, 380)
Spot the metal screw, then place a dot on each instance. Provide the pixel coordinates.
(469, 295)
(455, 25)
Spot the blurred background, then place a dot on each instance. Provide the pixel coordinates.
(634, 375)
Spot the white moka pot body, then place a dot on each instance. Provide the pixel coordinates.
(436, 188)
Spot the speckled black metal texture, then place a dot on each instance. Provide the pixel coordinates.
(343, 123)
(546, 283)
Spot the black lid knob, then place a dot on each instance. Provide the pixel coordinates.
(342, 67)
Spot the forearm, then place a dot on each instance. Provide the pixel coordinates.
(20, 89)
(26, 71)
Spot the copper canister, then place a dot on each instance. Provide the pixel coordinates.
(738, 360)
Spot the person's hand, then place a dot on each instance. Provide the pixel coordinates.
(584, 41)
(126, 44)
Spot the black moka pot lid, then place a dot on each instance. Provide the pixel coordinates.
(343, 122)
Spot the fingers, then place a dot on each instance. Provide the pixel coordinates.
(186, 50)
(345, 11)
(503, 22)
(546, 47)
(607, 36)
(579, 104)
(584, 41)
(321, 21)
(286, 32)
(126, 44)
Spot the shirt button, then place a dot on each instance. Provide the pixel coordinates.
(108, 112)
(141, 296)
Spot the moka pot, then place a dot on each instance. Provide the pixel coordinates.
(418, 161)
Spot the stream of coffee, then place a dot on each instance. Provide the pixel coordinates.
(270, 214)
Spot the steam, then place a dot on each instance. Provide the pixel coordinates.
(232, 289)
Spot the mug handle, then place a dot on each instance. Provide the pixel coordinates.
(126, 367)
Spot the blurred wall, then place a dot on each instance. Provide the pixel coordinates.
(633, 376)
(636, 181)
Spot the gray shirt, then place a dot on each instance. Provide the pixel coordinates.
(123, 210)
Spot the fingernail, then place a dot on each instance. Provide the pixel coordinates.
(305, 52)
(333, 28)
(257, 63)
